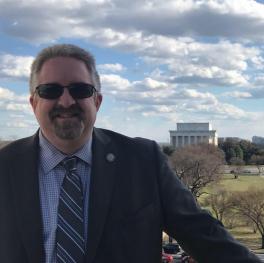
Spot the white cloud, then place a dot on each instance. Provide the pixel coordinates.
(112, 83)
(238, 94)
(192, 93)
(6, 94)
(223, 111)
(207, 18)
(215, 18)
(17, 125)
(173, 38)
(192, 44)
(153, 98)
(9, 95)
(15, 67)
(111, 67)
(10, 101)
(222, 63)
(150, 85)
(18, 107)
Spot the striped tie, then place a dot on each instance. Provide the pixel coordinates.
(70, 225)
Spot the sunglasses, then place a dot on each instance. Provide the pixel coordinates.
(51, 91)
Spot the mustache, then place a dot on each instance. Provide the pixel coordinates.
(74, 110)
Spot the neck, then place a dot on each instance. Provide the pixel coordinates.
(68, 146)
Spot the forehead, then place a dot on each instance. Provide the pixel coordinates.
(64, 70)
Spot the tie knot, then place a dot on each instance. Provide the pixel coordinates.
(70, 164)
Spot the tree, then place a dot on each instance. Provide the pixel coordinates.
(239, 152)
(197, 166)
(232, 149)
(250, 204)
(243, 149)
(248, 149)
(219, 202)
(230, 154)
(168, 150)
(258, 160)
(228, 146)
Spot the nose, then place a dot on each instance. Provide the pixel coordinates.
(66, 100)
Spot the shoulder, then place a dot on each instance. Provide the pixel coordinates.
(133, 153)
(18, 147)
(136, 143)
(140, 149)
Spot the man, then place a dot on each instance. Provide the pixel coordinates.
(75, 193)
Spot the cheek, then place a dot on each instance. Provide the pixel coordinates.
(88, 106)
(42, 109)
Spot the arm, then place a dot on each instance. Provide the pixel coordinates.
(197, 232)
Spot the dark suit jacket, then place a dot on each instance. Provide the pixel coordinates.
(133, 197)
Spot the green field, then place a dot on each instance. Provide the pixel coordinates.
(242, 183)
(242, 233)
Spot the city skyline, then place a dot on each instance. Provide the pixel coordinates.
(160, 62)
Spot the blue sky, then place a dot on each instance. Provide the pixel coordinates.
(161, 62)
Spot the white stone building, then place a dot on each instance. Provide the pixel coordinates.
(193, 133)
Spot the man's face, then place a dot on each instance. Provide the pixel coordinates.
(65, 118)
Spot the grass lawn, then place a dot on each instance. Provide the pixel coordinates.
(242, 183)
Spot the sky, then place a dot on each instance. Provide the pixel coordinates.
(160, 62)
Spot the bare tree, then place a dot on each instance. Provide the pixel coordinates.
(197, 166)
(250, 204)
(219, 202)
(258, 160)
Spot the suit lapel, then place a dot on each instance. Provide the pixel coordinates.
(101, 187)
(25, 187)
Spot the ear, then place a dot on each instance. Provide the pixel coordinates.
(98, 100)
(33, 102)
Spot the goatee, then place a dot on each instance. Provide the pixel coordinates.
(72, 126)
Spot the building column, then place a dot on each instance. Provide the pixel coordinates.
(172, 140)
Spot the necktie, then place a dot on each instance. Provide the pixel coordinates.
(70, 225)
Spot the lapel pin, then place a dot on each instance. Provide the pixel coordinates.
(110, 157)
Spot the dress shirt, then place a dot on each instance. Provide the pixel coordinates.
(51, 175)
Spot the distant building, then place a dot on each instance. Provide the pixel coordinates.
(233, 139)
(192, 133)
(258, 140)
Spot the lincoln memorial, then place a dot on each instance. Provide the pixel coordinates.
(193, 133)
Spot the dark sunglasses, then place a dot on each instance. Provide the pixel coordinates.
(51, 91)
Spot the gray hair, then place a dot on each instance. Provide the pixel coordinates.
(63, 50)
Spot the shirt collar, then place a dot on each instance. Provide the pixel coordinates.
(50, 156)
